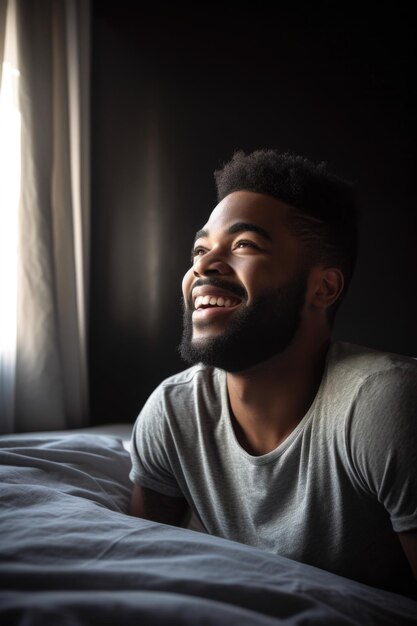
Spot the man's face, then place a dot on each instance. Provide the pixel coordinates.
(244, 294)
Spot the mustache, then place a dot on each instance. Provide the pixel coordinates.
(236, 290)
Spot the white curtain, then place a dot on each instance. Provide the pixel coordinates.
(43, 374)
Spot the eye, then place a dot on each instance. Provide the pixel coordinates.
(197, 251)
(246, 243)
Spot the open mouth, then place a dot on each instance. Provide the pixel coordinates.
(211, 301)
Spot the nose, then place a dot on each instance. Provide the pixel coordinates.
(211, 264)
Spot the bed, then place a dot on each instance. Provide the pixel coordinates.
(71, 555)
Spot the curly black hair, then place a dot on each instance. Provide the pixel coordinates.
(324, 212)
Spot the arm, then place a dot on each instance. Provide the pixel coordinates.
(384, 446)
(157, 507)
(409, 543)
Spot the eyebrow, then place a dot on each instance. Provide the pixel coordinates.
(239, 227)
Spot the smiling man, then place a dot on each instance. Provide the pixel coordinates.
(276, 436)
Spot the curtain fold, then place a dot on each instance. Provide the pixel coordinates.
(3, 14)
(51, 386)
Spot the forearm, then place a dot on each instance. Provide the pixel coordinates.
(154, 506)
(409, 543)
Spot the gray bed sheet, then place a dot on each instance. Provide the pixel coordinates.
(71, 555)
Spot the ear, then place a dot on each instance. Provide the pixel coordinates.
(327, 284)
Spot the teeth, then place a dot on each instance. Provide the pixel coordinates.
(213, 301)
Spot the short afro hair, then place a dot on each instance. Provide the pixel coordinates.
(323, 208)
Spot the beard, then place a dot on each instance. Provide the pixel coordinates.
(254, 333)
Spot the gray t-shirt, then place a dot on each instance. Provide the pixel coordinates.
(330, 495)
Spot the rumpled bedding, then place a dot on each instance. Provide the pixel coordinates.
(71, 555)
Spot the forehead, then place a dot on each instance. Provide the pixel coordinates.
(249, 207)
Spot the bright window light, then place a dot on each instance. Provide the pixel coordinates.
(9, 205)
(10, 158)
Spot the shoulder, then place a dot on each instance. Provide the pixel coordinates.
(179, 407)
(362, 362)
(372, 394)
(382, 389)
(365, 371)
(378, 392)
(190, 375)
(188, 392)
(199, 379)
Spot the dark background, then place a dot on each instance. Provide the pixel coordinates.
(175, 90)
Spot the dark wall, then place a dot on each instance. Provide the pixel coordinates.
(174, 93)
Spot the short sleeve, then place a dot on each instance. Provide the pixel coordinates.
(150, 448)
(383, 439)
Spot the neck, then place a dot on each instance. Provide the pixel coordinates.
(269, 400)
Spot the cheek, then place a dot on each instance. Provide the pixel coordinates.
(257, 277)
(186, 283)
